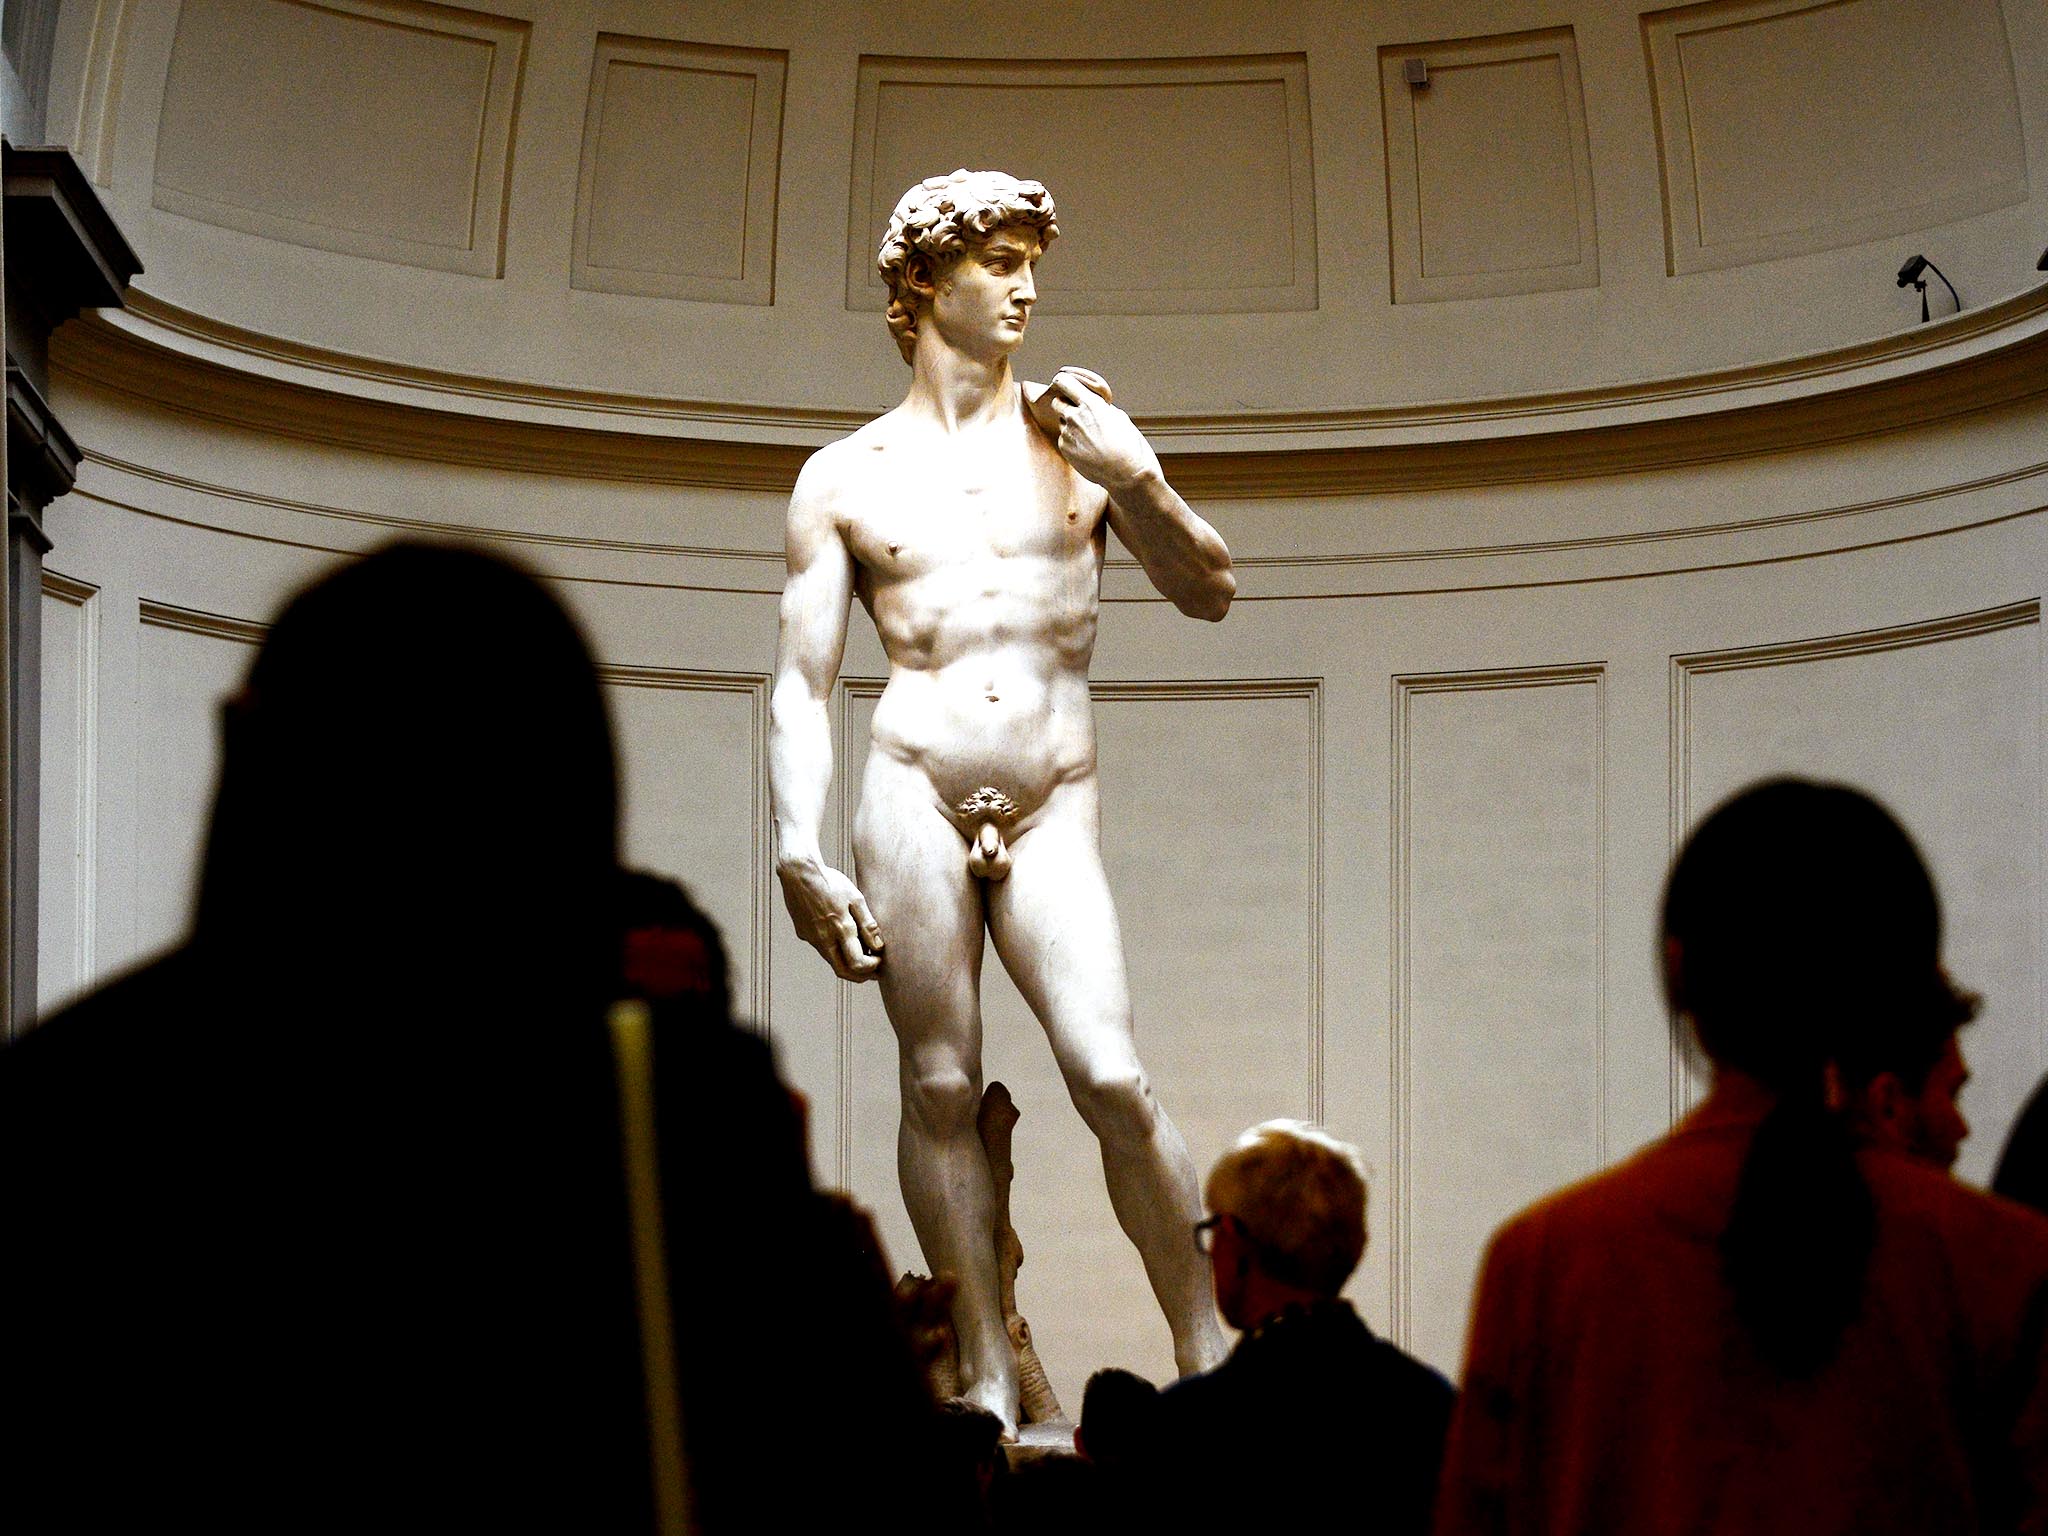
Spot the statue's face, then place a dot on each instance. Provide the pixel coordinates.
(983, 299)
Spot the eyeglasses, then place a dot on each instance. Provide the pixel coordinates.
(1205, 1232)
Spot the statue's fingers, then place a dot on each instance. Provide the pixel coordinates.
(864, 920)
(859, 964)
(1088, 377)
(850, 960)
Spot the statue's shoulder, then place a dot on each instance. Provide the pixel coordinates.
(843, 468)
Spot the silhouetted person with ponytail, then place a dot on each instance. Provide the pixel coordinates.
(1758, 1324)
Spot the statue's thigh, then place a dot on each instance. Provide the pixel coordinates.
(1055, 929)
(911, 865)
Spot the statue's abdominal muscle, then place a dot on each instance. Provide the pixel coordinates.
(988, 687)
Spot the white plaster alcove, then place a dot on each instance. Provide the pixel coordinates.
(1581, 458)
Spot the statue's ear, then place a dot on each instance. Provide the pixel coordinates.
(920, 276)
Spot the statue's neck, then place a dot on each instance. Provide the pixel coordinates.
(957, 392)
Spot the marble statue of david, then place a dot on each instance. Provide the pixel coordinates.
(971, 521)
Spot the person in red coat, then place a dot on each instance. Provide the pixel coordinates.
(1758, 1324)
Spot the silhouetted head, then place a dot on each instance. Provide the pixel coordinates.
(970, 1441)
(673, 952)
(1800, 926)
(417, 783)
(1119, 1410)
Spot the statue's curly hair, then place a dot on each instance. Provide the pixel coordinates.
(939, 217)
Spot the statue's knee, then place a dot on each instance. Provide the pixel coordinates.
(942, 1101)
(1116, 1102)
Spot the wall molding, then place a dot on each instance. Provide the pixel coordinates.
(1405, 688)
(845, 746)
(83, 596)
(1693, 664)
(197, 621)
(181, 361)
(754, 688)
(757, 571)
(425, 526)
(1643, 536)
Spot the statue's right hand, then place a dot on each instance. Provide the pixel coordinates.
(832, 917)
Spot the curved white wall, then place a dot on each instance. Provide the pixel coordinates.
(675, 212)
(1547, 536)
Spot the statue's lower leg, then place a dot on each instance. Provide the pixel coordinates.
(1152, 1189)
(947, 1191)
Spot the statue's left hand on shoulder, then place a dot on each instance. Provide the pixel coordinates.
(1094, 435)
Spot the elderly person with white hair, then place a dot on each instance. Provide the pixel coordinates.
(1311, 1417)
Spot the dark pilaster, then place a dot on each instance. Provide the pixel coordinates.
(63, 254)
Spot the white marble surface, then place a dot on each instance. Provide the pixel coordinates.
(974, 531)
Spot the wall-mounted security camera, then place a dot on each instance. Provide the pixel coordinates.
(1914, 271)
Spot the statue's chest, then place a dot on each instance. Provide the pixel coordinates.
(974, 514)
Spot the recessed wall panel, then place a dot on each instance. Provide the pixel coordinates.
(69, 799)
(1489, 183)
(1499, 944)
(681, 153)
(189, 663)
(693, 770)
(1942, 721)
(1183, 185)
(377, 127)
(1211, 837)
(1788, 126)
